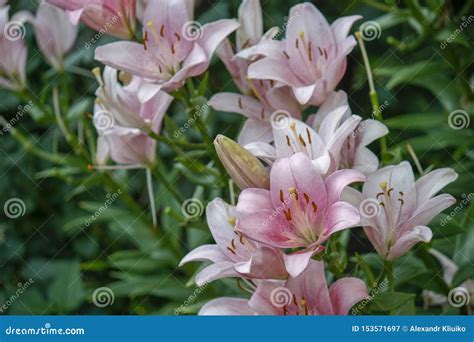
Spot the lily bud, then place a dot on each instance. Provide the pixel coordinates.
(243, 167)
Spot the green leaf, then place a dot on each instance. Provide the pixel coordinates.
(416, 121)
(67, 291)
(464, 273)
(395, 302)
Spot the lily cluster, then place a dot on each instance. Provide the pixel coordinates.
(297, 177)
(303, 178)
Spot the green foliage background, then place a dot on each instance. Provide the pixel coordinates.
(420, 82)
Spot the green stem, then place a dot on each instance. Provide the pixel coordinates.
(177, 144)
(151, 197)
(164, 182)
(389, 273)
(372, 93)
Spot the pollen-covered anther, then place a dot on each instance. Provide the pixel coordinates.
(293, 192)
(98, 76)
(288, 214)
(302, 142)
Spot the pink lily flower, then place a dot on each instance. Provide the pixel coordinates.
(258, 110)
(249, 34)
(13, 52)
(395, 209)
(346, 135)
(300, 211)
(174, 48)
(312, 57)
(234, 255)
(114, 17)
(123, 122)
(334, 124)
(54, 33)
(306, 294)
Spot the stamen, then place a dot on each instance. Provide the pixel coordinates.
(231, 250)
(162, 31)
(306, 197)
(286, 54)
(178, 37)
(232, 221)
(281, 196)
(305, 307)
(320, 51)
(173, 51)
(232, 243)
(145, 40)
(98, 76)
(302, 142)
(288, 142)
(262, 113)
(240, 103)
(315, 207)
(310, 52)
(325, 53)
(309, 135)
(293, 192)
(288, 214)
(152, 28)
(297, 44)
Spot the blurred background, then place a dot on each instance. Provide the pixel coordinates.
(422, 75)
